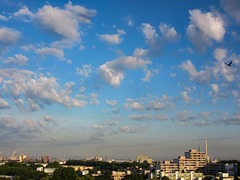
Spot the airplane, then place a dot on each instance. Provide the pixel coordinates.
(229, 64)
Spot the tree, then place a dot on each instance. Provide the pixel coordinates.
(64, 173)
(135, 176)
(165, 178)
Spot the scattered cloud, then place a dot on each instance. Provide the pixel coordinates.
(18, 60)
(4, 104)
(113, 71)
(8, 37)
(130, 21)
(113, 38)
(85, 70)
(111, 102)
(204, 27)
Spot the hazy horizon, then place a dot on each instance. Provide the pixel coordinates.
(120, 78)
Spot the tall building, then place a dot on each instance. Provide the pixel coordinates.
(22, 157)
(141, 159)
(192, 161)
(45, 159)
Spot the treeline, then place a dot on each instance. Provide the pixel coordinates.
(101, 165)
(21, 171)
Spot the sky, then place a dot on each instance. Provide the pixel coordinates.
(119, 78)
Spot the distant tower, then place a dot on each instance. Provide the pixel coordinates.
(207, 157)
(206, 146)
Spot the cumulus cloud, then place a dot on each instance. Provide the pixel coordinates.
(13, 130)
(140, 117)
(38, 89)
(18, 60)
(233, 119)
(53, 18)
(215, 71)
(185, 97)
(111, 102)
(8, 37)
(169, 33)
(113, 38)
(200, 123)
(85, 70)
(204, 27)
(23, 14)
(4, 104)
(203, 76)
(184, 117)
(3, 18)
(113, 71)
(50, 51)
(50, 119)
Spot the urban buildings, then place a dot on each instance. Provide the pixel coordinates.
(141, 159)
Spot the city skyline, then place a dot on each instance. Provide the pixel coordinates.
(119, 78)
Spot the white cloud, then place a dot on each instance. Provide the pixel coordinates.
(201, 76)
(141, 53)
(235, 93)
(147, 77)
(19, 103)
(49, 119)
(81, 48)
(204, 27)
(149, 34)
(85, 71)
(77, 103)
(81, 13)
(113, 38)
(38, 89)
(18, 59)
(93, 98)
(155, 105)
(184, 117)
(23, 14)
(3, 104)
(149, 117)
(220, 54)
(53, 18)
(111, 103)
(50, 51)
(233, 119)
(3, 18)
(185, 97)
(113, 71)
(8, 37)
(215, 89)
(173, 75)
(130, 21)
(136, 106)
(98, 127)
(169, 33)
(200, 123)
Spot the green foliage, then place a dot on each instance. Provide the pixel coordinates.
(207, 177)
(100, 166)
(64, 174)
(55, 164)
(165, 178)
(20, 171)
(135, 176)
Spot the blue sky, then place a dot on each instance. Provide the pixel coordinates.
(119, 78)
